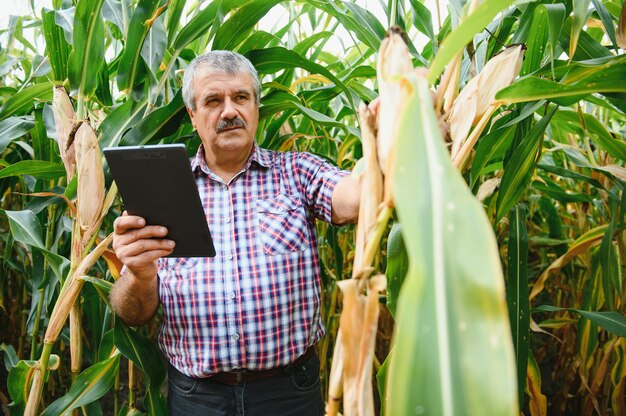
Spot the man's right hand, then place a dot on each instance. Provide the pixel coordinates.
(139, 246)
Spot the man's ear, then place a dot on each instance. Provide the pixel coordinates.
(190, 112)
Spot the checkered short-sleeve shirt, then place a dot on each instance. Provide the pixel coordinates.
(256, 304)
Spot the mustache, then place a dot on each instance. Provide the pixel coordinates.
(224, 124)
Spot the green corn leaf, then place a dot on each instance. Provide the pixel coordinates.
(423, 20)
(120, 120)
(580, 18)
(586, 47)
(26, 228)
(87, 56)
(112, 11)
(153, 49)
(613, 322)
(587, 331)
(452, 324)
(517, 293)
(131, 68)
(40, 169)
(464, 33)
(491, 147)
(202, 22)
(18, 384)
(144, 355)
(13, 127)
(158, 124)
(271, 60)
(556, 17)
(570, 121)
(519, 170)
(57, 48)
(174, 12)
(603, 80)
(381, 382)
(89, 386)
(362, 23)
(234, 30)
(397, 266)
(607, 21)
(536, 42)
(10, 356)
(22, 102)
(64, 18)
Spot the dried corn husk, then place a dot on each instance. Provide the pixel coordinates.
(372, 187)
(479, 94)
(90, 177)
(64, 121)
(71, 290)
(394, 61)
(76, 348)
(335, 380)
(359, 320)
(487, 188)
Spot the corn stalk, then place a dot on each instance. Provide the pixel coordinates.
(91, 208)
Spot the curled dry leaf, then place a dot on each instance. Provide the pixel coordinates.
(480, 92)
(64, 121)
(90, 177)
(487, 188)
(394, 61)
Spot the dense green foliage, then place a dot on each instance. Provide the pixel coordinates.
(555, 148)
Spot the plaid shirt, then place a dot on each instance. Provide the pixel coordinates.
(256, 304)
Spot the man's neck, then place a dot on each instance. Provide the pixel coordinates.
(226, 165)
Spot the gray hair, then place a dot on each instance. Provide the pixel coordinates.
(218, 61)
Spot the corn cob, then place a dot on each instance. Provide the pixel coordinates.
(90, 177)
(65, 122)
(393, 62)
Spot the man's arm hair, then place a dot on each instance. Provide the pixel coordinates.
(135, 301)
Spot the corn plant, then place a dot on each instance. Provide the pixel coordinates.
(523, 287)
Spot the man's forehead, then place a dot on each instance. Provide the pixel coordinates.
(207, 74)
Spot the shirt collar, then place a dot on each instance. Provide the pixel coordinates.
(258, 155)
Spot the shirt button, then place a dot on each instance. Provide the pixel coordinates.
(231, 295)
(229, 257)
(235, 336)
(228, 219)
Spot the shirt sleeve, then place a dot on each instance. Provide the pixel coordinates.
(318, 178)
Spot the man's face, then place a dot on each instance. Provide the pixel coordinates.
(226, 115)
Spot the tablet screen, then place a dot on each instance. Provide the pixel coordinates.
(156, 183)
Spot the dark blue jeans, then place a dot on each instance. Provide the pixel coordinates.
(296, 392)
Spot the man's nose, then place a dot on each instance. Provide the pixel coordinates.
(229, 110)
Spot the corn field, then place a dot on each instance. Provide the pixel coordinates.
(486, 274)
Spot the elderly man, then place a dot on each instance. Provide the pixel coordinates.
(238, 329)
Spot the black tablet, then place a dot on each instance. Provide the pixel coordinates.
(156, 183)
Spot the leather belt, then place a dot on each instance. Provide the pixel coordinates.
(240, 376)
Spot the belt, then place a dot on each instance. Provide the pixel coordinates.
(242, 375)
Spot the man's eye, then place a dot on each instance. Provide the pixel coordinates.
(241, 98)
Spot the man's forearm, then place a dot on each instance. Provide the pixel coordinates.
(135, 301)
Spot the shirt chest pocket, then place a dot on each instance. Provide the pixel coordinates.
(282, 224)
